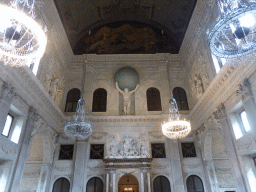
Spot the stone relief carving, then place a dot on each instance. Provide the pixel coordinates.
(128, 147)
(220, 113)
(244, 89)
(199, 78)
(7, 92)
(7, 151)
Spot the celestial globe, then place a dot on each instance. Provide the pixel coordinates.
(127, 77)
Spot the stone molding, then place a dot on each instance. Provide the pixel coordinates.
(208, 101)
(30, 89)
(125, 57)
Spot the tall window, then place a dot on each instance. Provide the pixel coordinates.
(161, 184)
(154, 99)
(7, 125)
(245, 121)
(180, 96)
(95, 184)
(72, 99)
(99, 100)
(194, 184)
(61, 185)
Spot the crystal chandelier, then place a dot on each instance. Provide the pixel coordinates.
(22, 40)
(175, 128)
(234, 33)
(78, 127)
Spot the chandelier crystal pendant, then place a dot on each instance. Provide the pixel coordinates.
(78, 128)
(22, 39)
(175, 128)
(234, 33)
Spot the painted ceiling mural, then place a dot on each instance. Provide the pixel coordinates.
(158, 24)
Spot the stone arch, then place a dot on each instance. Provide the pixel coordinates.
(162, 183)
(128, 181)
(96, 183)
(98, 176)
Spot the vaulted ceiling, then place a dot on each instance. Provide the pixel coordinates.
(125, 26)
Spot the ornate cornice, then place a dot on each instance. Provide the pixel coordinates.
(223, 86)
(33, 93)
(125, 57)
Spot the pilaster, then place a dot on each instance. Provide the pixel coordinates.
(31, 121)
(245, 92)
(225, 123)
(210, 174)
(178, 181)
(45, 177)
(80, 160)
(6, 95)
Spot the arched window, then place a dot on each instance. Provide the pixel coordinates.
(95, 184)
(72, 99)
(61, 185)
(194, 184)
(181, 97)
(153, 99)
(99, 103)
(161, 184)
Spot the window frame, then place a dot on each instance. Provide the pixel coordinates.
(190, 142)
(242, 122)
(10, 127)
(103, 155)
(193, 178)
(152, 151)
(72, 153)
(154, 107)
(74, 102)
(102, 108)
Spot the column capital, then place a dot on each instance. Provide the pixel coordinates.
(6, 92)
(244, 89)
(221, 112)
(145, 169)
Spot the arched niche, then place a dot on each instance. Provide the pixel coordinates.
(95, 184)
(72, 98)
(161, 184)
(180, 96)
(61, 185)
(128, 183)
(99, 103)
(194, 184)
(153, 99)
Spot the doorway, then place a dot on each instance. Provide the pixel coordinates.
(128, 183)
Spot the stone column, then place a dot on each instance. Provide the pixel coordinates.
(45, 177)
(210, 174)
(225, 123)
(81, 151)
(149, 182)
(111, 180)
(246, 94)
(145, 179)
(6, 95)
(31, 122)
(176, 167)
(107, 182)
(142, 185)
